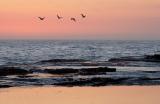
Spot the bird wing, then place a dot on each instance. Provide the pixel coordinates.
(41, 18)
(74, 19)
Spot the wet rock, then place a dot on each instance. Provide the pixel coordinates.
(71, 83)
(92, 82)
(147, 78)
(94, 71)
(4, 71)
(146, 58)
(82, 71)
(24, 80)
(62, 60)
(99, 81)
(61, 71)
(129, 58)
(151, 71)
(5, 86)
(153, 58)
(24, 76)
(108, 81)
(90, 64)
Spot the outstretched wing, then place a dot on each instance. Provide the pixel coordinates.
(59, 17)
(73, 19)
(83, 16)
(41, 18)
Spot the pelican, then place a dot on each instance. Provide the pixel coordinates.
(41, 18)
(83, 16)
(73, 19)
(59, 17)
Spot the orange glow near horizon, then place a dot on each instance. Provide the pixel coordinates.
(105, 18)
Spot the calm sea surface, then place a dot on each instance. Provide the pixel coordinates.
(23, 51)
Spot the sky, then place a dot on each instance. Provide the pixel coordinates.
(106, 19)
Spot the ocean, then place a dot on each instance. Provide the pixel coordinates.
(78, 63)
(29, 51)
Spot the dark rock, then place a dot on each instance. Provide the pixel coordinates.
(146, 79)
(153, 58)
(89, 64)
(92, 82)
(25, 76)
(83, 71)
(151, 71)
(61, 60)
(129, 58)
(146, 58)
(4, 71)
(108, 81)
(94, 71)
(5, 86)
(61, 71)
(24, 80)
(81, 82)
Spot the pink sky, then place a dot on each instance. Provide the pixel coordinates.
(106, 19)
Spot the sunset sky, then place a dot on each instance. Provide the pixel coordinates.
(106, 19)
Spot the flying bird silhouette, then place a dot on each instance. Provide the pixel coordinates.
(41, 18)
(73, 19)
(83, 16)
(59, 17)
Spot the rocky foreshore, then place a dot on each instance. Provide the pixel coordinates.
(82, 71)
(78, 72)
(62, 60)
(145, 58)
(4, 71)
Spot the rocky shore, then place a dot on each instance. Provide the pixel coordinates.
(4, 71)
(78, 72)
(82, 71)
(145, 58)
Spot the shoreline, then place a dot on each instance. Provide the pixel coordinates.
(81, 95)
